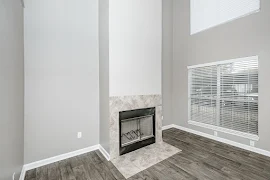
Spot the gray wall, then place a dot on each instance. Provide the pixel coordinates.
(61, 77)
(167, 56)
(104, 74)
(11, 88)
(240, 38)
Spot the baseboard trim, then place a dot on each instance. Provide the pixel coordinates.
(168, 126)
(54, 159)
(104, 152)
(226, 141)
(22, 173)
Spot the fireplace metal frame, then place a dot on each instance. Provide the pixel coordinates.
(133, 115)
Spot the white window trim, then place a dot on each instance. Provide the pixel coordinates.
(217, 128)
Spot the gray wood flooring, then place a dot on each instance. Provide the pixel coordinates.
(201, 158)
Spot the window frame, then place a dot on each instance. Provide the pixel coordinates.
(213, 127)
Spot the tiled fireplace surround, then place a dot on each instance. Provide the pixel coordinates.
(125, 103)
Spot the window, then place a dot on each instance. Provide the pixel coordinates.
(205, 14)
(224, 96)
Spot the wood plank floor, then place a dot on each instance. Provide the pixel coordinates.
(201, 158)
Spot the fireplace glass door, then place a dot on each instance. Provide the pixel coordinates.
(146, 127)
(130, 131)
(136, 129)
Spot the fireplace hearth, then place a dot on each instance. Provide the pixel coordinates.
(137, 129)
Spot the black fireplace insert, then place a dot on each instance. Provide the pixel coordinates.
(137, 129)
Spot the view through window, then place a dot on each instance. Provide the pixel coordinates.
(224, 95)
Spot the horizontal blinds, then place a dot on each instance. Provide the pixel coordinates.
(205, 14)
(239, 96)
(225, 95)
(203, 94)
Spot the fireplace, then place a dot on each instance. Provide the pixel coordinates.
(137, 129)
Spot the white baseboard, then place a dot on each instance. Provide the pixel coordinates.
(233, 143)
(167, 126)
(54, 159)
(22, 173)
(104, 152)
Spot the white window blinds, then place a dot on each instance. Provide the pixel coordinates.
(205, 14)
(224, 96)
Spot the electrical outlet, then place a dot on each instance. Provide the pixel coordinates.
(252, 143)
(13, 176)
(162, 117)
(215, 133)
(79, 135)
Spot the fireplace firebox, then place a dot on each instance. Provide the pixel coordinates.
(137, 129)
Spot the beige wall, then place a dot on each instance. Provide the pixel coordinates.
(243, 37)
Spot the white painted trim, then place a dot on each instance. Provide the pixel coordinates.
(224, 62)
(167, 127)
(226, 141)
(54, 159)
(22, 176)
(225, 130)
(104, 152)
